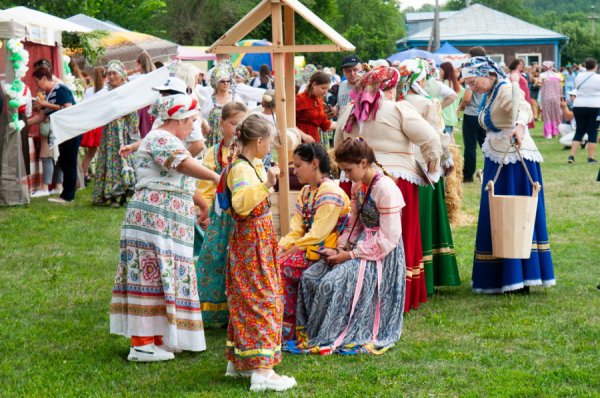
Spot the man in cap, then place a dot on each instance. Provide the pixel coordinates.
(194, 142)
(352, 69)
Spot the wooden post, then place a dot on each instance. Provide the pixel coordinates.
(290, 83)
(281, 112)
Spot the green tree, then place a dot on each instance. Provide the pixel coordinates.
(138, 15)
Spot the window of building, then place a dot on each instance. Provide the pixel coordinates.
(530, 58)
(497, 57)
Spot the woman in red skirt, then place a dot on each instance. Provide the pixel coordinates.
(392, 129)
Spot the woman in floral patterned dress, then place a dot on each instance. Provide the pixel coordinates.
(115, 177)
(252, 281)
(320, 215)
(155, 296)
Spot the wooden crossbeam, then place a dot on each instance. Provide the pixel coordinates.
(254, 18)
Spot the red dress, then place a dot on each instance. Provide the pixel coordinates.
(92, 138)
(310, 115)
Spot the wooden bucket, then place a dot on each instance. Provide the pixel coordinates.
(512, 219)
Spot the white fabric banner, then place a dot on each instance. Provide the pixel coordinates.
(107, 106)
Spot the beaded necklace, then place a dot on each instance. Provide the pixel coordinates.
(308, 204)
(485, 109)
(219, 155)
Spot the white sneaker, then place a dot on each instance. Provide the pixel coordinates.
(148, 353)
(264, 383)
(39, 194)
(55, 192)
(232, 372)
(59, 200)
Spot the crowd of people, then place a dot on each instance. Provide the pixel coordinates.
(370, 237)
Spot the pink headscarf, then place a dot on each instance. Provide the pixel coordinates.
(368, 93)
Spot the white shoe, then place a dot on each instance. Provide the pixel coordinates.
(59, 200)
(148, 353)
(55, 192)
(232, 372)
(264, 383)
(39, 194)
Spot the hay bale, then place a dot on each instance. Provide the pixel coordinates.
(453, 186)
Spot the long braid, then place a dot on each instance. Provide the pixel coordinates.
(385, 172)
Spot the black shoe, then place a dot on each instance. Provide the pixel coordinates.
(571, 159)
(592, 160)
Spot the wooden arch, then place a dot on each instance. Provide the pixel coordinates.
(283, 49)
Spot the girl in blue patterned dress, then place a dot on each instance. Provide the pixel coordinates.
(212, 258)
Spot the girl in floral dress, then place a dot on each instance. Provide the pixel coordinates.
(253, 283)
(213, 253)
(320, 215)
(155, 297)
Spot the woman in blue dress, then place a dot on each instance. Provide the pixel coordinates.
(492, 274)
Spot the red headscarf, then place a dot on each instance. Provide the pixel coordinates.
(368, 93)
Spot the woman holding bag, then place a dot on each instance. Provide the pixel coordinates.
(492, 274)
(320, 214)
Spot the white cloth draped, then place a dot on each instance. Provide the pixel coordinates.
(106, 106)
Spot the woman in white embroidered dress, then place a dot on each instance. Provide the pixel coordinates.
(155, 295)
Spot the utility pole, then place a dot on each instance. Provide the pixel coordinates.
(436, 26)
(593, 17)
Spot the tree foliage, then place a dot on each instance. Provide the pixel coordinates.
(138, 15)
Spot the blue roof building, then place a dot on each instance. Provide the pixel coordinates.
(504, 37)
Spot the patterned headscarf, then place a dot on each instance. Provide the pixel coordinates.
(368, 93)
(117, 66)
(548, 65)
(308, 72)
(242, 71)
(178, 106)
(412, 71)
(429, 67)
(481, 67)
(223, 70)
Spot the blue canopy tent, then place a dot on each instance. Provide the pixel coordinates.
(414, 53)
(448, 49)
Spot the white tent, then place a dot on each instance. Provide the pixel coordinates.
(36, 26)
(41, 34)
(95, 24)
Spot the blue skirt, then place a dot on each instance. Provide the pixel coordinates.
(497, 275)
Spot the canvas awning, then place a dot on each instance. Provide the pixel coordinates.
(127, 46)
(35, 26)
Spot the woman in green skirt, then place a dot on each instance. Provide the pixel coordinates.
(436, 236)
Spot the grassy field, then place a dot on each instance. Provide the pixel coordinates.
(57, 266)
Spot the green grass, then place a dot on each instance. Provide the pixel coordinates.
(57, 266)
